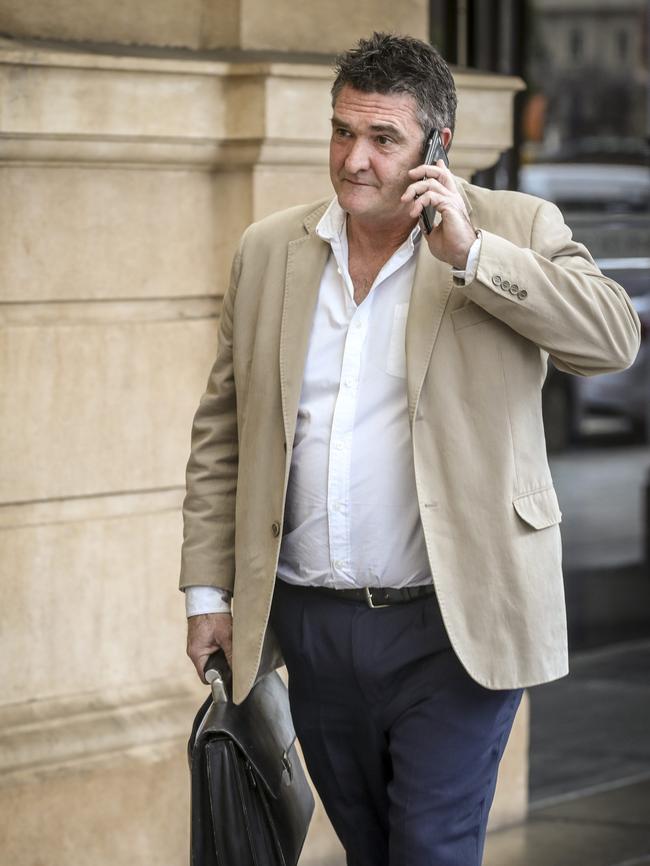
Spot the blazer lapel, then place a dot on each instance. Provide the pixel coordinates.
(306, 258)
(431, 290)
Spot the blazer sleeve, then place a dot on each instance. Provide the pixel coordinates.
(553, 294)
(208, 552)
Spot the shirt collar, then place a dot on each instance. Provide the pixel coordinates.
(331, 226)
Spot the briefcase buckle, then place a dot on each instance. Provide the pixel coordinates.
(288, 769)
(369, 600)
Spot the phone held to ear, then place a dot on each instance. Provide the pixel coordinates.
(433, 151)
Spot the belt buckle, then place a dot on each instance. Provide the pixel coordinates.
(369, 600)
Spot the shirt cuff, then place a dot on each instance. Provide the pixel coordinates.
(468, 274)
(206, 599)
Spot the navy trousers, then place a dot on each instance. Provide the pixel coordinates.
(402, 745)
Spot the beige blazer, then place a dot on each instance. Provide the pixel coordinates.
(476, 361)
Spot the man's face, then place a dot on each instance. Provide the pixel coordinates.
(376, 139)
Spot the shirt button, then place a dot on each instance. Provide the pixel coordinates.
(337, 563)
(339, 446)
(275, 528)
(357, 324)
(349, 382)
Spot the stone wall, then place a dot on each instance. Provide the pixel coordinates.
(283, 25)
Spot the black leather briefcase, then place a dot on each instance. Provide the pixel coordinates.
(251, 802)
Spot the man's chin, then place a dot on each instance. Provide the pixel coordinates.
(358, 200)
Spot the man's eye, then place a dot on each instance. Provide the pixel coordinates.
(341, 133)
(384, 139)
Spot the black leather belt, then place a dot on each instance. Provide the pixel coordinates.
(376, 596)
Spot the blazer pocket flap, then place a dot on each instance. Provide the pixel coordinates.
(469, 314)
(538, 509)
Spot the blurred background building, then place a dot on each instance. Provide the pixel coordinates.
(587, 64)
(137, 140)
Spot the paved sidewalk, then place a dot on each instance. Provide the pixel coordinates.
(590, 767)
(607, 829)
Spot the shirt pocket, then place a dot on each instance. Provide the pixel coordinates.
(396, 356)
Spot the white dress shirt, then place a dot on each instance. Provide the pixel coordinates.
(351, 516)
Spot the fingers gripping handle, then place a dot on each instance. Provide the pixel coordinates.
(217, 672)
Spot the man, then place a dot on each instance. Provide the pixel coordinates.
(368, 472)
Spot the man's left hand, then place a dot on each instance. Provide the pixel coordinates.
(450, 240)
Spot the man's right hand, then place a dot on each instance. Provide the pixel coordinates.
(206, 633)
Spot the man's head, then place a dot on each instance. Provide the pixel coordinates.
(401, 64)
(389, 92)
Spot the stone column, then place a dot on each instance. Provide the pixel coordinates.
(126, 177)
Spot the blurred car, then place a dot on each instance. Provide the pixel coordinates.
(568, 400)
(588, 186)
(617, 149)
(607, 205)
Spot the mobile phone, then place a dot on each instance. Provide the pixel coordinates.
(433, 151)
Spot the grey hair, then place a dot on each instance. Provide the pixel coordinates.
(386, 63)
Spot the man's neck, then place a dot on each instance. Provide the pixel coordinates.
(376, 238)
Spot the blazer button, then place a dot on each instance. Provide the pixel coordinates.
(275, 528)
(522, 294)
(514, 289)
(505, 285)
(496, 279)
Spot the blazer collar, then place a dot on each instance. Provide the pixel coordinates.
(463, 187)
(432, 286)
(313, 217)
(306, 258)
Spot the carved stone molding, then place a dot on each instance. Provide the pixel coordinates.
(38, 738)
(65, 106)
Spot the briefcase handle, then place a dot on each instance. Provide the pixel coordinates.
(217, 672)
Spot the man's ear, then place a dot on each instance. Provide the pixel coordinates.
(447, 136)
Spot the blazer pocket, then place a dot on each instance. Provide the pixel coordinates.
(469, 314)
(538, 509)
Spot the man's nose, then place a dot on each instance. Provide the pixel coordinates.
(358, 158)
